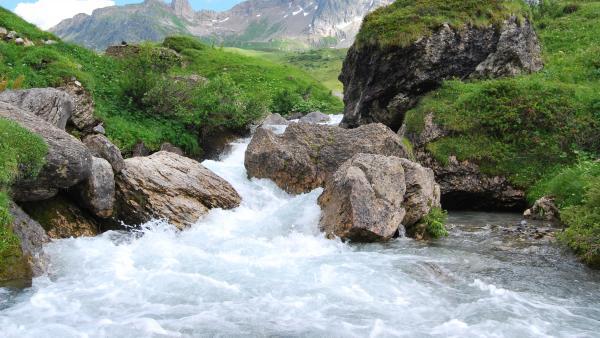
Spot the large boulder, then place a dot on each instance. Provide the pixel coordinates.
(168, 186)
(363, 200)
(382, 83)
(302, 158)
(275, 120)
(100, 146)
(61, 218)
(97, 192)
(68, 161)
(544, 209)
(315, 117)
(52, 105)
(30, 261)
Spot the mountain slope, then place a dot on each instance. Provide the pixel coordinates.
(294, 24)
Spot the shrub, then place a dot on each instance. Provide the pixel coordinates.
(436, 223)
(169, 98)
(181, 43)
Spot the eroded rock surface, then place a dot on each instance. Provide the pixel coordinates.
(97, 192)
(52, 105)
(381, 84)
(301, 159)
(100, 146)
(168, 186)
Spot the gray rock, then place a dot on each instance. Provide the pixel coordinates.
(3, 33)
(32, 237)
(140, 150)
(380, 85)
(275, 120)
(100, 146)
(422, 192)
(52, 105)
(68, 161)
(362, 201)
(97, 192)
(99, 129)
(168, 186)
(11, 35)
(19, 41)
(301, 159)
(83, 106)
(172, 149)
(315, 117)
(294, 116)
(544, 209)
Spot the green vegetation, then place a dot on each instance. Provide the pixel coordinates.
(576, 191)
(21, 155)
(325, 65)
(405, 21)
(526, 126)
(139, 106)
(435, 221)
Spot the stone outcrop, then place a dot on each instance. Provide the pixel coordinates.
(374, 198)
(97, 192)
(61, 218)
(544, 209)
(315, 117)
(463, 185)
(52, 105)
(168, 186)
(68, 161)
(362, 201)
(100, 146)
(302, 158)
(381, 84)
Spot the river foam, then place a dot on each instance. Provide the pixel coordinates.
(263, 269)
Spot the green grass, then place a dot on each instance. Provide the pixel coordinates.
(324, 65)
(436, 223)
(576, 191)
(525, 127)
(405, 21)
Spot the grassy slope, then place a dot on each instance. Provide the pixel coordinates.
(325, 65)
(49, 65)
(405, 21)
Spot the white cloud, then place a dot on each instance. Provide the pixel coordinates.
(48, 13)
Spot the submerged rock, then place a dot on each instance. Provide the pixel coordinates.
(363, 200)
(68, 161)
(168, 186)
(381, 84)
(302, 158)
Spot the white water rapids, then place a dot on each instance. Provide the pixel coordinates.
(264, 269)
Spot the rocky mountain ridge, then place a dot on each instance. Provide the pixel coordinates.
(293, 24)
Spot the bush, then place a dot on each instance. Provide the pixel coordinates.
(169, 98)
(181, 43)
(287, 102)
(436, 223)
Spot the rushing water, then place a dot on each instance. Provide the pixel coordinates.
(263, 269)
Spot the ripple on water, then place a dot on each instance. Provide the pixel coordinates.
(263, 269)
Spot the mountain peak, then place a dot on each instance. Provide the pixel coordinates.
(182, 8)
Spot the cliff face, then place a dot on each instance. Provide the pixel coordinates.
(382, 83)
(303, 23)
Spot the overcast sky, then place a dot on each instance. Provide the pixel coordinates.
(47, 13)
